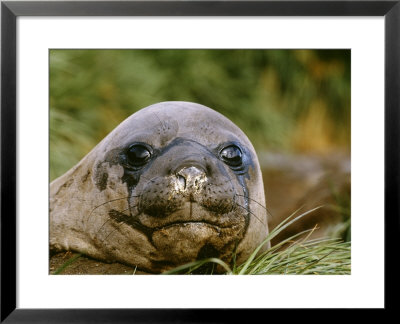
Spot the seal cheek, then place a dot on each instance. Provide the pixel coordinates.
(101, 180)
(106, 174)
(115, 174)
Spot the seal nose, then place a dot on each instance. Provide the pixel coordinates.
(191, 178)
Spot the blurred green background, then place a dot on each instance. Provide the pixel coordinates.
(284, 100)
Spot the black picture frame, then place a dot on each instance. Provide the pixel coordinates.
(10, 10)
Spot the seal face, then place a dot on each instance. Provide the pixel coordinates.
(173, 183)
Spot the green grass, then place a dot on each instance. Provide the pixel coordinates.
(67, 264)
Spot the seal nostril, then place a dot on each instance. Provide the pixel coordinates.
(182, 181)
(191, 178)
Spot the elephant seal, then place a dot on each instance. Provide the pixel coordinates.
(173, 183)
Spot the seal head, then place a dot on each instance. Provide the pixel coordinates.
(173, 183)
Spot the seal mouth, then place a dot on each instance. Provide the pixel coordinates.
(191, 218)
(191, 213)
(186, 223)
(141, 226)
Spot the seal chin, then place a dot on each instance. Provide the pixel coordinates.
(186, 242)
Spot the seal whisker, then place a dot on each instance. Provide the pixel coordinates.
(257, 203)
(115, 229)
(237, 204)
(109, 201)
(112, 200)
(109, 219)
(143, 177)
(150, 180)
(119, 225)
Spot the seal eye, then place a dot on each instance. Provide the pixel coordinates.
(138, 155)
(232, 155)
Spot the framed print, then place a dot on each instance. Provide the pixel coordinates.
(72, 71)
